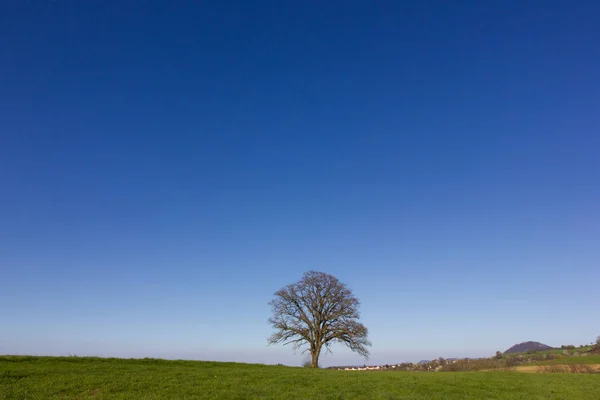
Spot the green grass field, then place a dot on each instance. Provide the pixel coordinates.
(558, 351)
(593, 359)
(96, 378)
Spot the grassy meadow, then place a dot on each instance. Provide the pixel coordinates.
(98, 378)
(591, 359)
(581, 349)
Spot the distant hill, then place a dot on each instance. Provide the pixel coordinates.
(527, 346)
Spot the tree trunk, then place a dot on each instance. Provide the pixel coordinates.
(315, 357)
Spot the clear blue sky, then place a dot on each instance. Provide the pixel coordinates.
(166, 166)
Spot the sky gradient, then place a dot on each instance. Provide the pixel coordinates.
(165, 167)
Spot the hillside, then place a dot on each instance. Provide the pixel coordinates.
(527, 346)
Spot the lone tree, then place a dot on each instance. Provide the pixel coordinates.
(318, 311)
